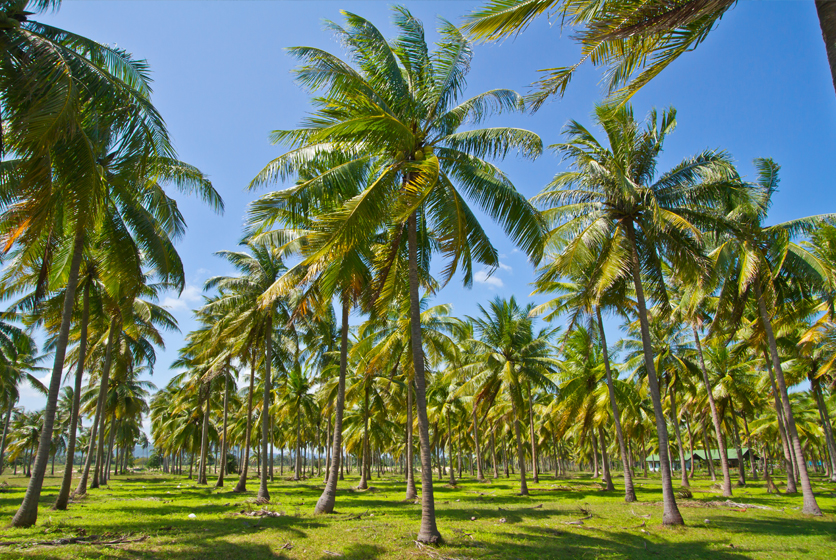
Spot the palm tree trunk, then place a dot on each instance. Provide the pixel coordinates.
(428, 532)
(629, 491)
(363, 485)
(105, 474)
(204, 437)
(5, 433)
(534, 467)
(242, 480)
(493, 453)
(480, 475)
(411, 492)
(810, 506)
(670, 515)
(27, 514)
(826, 10)
(520, 452)
(459, 450)
(297, 467)
(263, 493)
(741, 465)
(715, 418)
(751, 444)
(824, 416)
(596, 470)
(326, 501)
(605, 460)
(789, 464)
(99, 420)
(220, 482)
(678, 433)
(690, 446)
(66, 482)
(450, 446)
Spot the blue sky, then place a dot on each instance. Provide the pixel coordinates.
(758, 87)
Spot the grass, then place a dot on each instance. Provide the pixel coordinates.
(378, 524)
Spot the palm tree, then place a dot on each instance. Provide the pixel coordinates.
(760, 264)
(612, 215)
(508, 355)
(623, 36)
(241, 298)
(579, 298)
(400, 111)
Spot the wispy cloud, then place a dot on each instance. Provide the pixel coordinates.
(190, 296)
(482, 277)
(505, 267)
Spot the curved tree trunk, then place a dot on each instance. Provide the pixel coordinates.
(629, 491)
(5, 433)
(715, 418)
(263, 493)
(411, 491)
(678, 433)
(520, 452)
(670, 515)
(242, 480)
(493, 453)
(428, 532)
(114, 427)
(220, 482)
(66, 482)
(326, 501)
(789, 463)
(824, 416)
(27, 514)
(826, 10)
(810, 505)
(204, 437)
(99, 420)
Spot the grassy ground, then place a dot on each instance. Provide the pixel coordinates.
(477, 520)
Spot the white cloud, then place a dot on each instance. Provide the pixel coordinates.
(482, 277)
(190, 295)
(505, 267)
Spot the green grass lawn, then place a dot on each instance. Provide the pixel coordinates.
(378, 524)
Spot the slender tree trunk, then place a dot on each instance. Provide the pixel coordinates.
(220, 482)
(677, 432)
(670, 515)
(326, 502)
(113, 335)
(480, 475)
(459, 431)
(741, 466)
(411, 491)
(715, 418)
(327, 449)
(5, 433)
(505, 456)
(493, 453)
(66, 482)
(105, 474)
(597, 470)
(690, 446)
(629, 491)
(27, 514)
(263, 493)
(789, 464)
(750, 443)
(534, 467)
(605, 460)
(297, 466)
(450, 444)
(204, 437)
(242, 480)
(364, 472)
(824, 416)
(826, 10)
(810, 506)
(428, 532)
(81, 489)
(770, 484)
(520, 452)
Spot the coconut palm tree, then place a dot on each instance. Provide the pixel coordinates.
(400, 109)
(623, 36)
(613, 215)
(761, 264)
